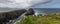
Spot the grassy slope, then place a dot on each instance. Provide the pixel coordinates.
(47, 19)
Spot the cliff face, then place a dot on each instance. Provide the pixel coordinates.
(6, 16)
(30, 12)
(12, 15)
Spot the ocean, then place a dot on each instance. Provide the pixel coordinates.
(46, 10)
(37, 10)
(7, 9)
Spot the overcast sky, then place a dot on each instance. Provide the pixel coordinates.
(52, 4)
(29, 3)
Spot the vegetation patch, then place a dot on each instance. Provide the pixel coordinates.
(47, 19)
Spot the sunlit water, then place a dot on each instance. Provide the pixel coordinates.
(46, 10)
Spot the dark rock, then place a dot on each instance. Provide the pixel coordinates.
(30, 12)
(6, 16)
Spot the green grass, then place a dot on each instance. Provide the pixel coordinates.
(47, 19)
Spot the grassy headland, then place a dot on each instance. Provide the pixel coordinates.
(47, 19)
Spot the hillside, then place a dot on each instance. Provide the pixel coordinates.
(47, 19)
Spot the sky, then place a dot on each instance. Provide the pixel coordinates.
(30, 3)
(52, 4)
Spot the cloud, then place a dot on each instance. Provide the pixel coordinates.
(53, 4)
(20, 3)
